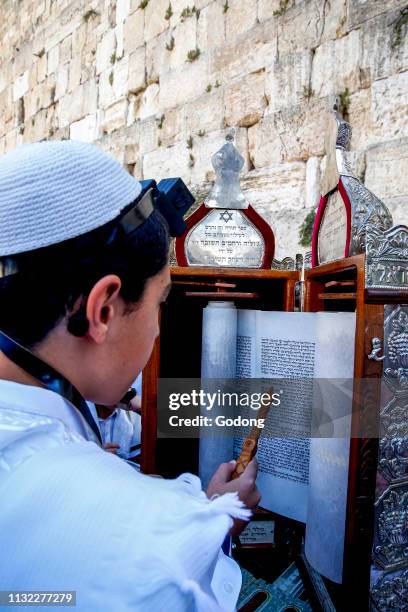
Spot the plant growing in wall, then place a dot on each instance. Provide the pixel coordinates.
(170, 45)
(283, 7)
(143, 4)
(193, 55)
(169, 12)
(306, 229)
(90, 14)
(226, 6)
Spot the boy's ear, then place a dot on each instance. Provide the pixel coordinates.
(100, 306)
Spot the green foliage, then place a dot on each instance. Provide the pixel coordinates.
(189, 12)
(111, 78)
(283, 7)
(113, 58)
(201, 133)
(306, 229)
(169, 12)
(226, 6)
(217, 84)
(307, 92)
(344, 103)
(90, 14)
(40, 53)
(191, 162)
(193, 55)
(143, 4)
(190, 142)
(159, 142)
(160, 122)
(170, 45)
(208, 88)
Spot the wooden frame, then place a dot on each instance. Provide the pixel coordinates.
(339, 285)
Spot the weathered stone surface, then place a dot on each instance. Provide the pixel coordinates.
(312, 187)
(211, 26)
(133, 31)
(245, 100)
(52, 59)
(387, 176)
(122, 10)
(155, 22)
(20, 86)
(361, 11)
(184, 39)
(106, 51)
(183, 84)
(85, 129)
(240, 17)
(336, 65)
(114, 116)
(251, 53)
(137, 74)
(288, 80)
(389, 107)
(149, 104)
(65, 50)
(268, 9)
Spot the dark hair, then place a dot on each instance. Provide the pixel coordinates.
(50, 280)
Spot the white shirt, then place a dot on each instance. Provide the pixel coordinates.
(59, 492)
(122, 427)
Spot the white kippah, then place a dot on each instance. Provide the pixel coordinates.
(53, 191)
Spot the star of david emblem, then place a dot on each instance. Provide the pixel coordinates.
(226, 216)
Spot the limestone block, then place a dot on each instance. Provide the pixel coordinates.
(52, 59)
(158, 56)
(205, 114)
(389, 107)
(336, 65)
(164, 162)
(119, 40)
(211, 26)
(251, 53)
(133, 31)
(268, 9)
(387, 176)
(42, 68)
(292, 31)
(65, 50)
(61, 81)
(149, 104)
(361, 11)
(120, 72)
(23, 57)
(78, 39)
(84, 130)
(185, 40)
(183, 84)
(361, 120)
(276, 187)
(75, 72)
(384, 51)
(106, 92)
(114, 116)
(312, 186)
(122, 10)
(10, 142)
(155, 22)
(105, 51)
(288, 80)
(137, 75)
(148, 135)
(245, 100)
(240, 17)
(265, 146)
(20, 86)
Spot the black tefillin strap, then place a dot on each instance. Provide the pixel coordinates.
(50, 378)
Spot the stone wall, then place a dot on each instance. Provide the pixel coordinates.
(157, 83)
